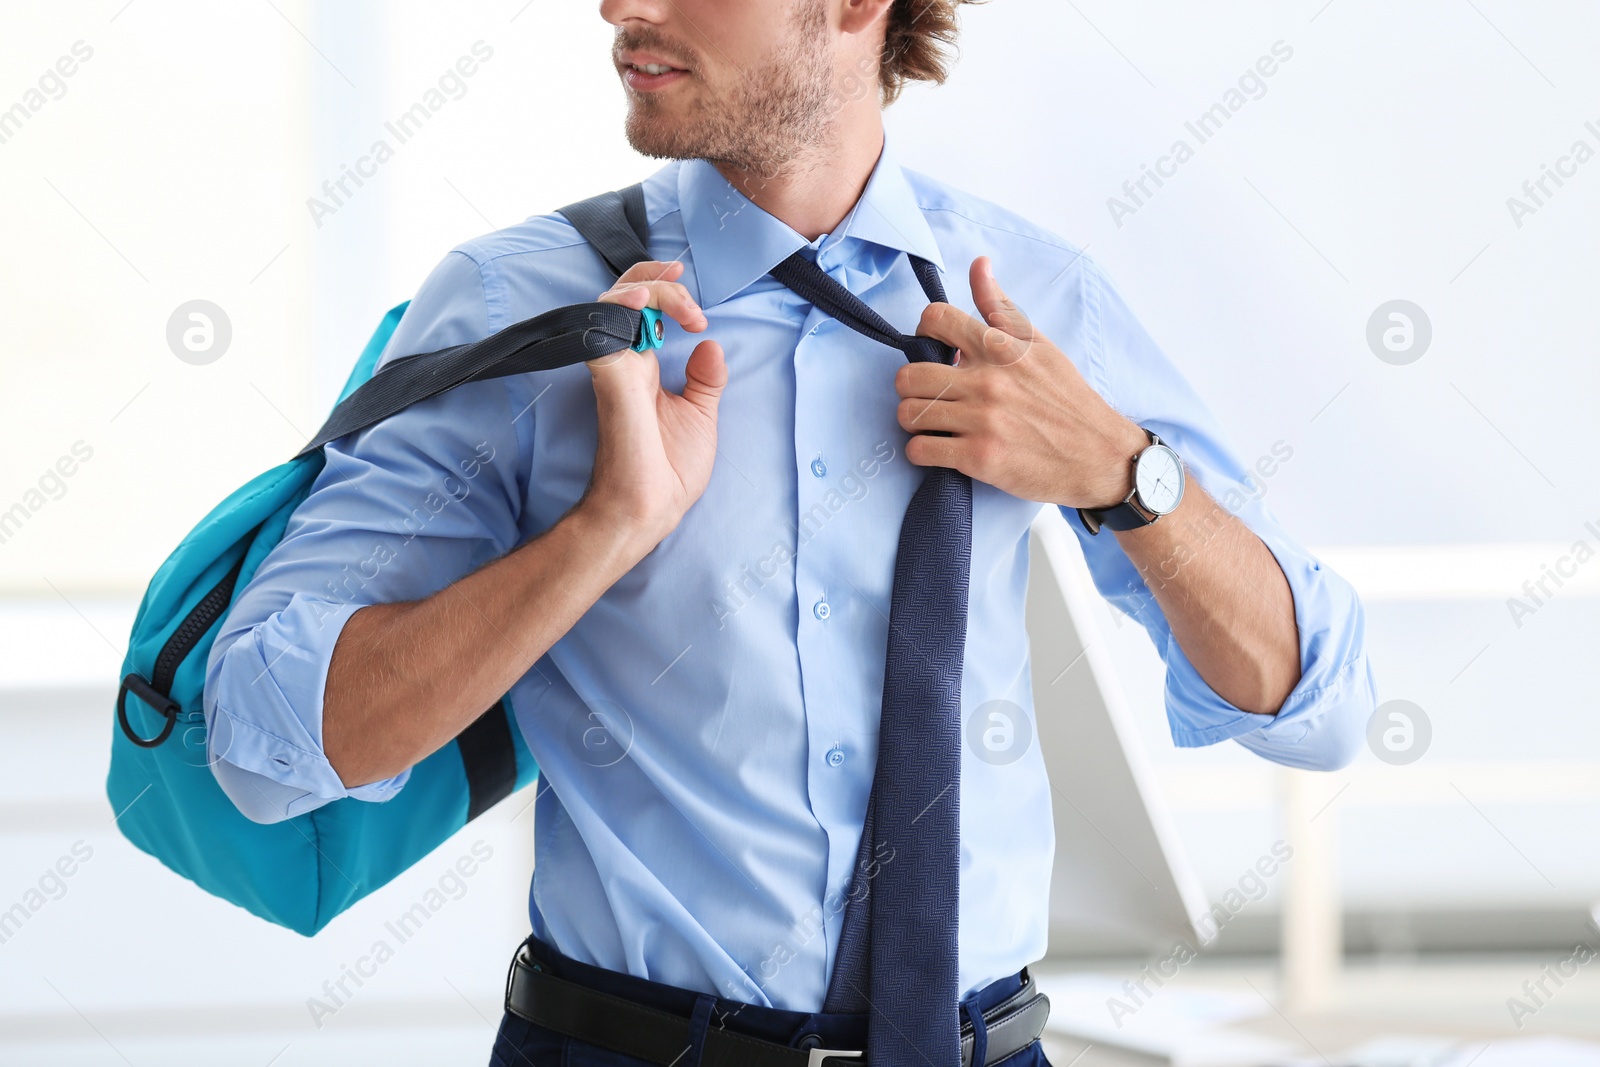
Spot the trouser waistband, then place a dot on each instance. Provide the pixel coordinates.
(658, 1022)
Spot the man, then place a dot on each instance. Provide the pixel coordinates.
(682, 567)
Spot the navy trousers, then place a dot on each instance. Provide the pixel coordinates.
(522, 1044)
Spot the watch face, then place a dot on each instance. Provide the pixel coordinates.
(1159, 479)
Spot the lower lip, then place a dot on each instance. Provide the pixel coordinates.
(641, 82)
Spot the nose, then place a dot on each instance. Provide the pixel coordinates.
(618, 12)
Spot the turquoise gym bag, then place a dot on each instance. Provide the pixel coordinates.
(302, 872)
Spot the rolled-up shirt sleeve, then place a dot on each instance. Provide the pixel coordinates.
(398, 512)
(1321, 725)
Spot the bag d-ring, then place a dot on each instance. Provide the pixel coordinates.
(162, 703)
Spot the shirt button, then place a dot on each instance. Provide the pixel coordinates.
(821, 610)
(835, 756)
(819, 468)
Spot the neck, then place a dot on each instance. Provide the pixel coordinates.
(816, 191)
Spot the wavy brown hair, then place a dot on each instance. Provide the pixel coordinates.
(917, 44)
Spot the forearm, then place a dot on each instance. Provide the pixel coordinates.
(405, 678)
(1225, 598)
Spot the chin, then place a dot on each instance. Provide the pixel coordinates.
(658, 135)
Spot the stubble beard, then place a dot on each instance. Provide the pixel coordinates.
(767, 122)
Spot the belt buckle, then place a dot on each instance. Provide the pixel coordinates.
(818, 1055)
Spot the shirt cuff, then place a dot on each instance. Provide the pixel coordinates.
(264, 737)
(1322, 723)
(1198, 716)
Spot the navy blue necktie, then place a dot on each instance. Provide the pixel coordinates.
(897, 953)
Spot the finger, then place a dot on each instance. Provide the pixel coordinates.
(674, 300)
(972, 339)
(926, 450)
(653, 271)
(947, 323)
(931, 381)
(1001, 337)
(670, 298)
(925, 416)
(705, 377)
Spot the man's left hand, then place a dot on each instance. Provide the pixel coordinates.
(1021, 416)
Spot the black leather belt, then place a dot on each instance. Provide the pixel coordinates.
(660, 1037)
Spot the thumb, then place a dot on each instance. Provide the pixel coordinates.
(705, 376)
(994, 307)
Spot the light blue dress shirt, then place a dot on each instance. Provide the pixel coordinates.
(707, 731)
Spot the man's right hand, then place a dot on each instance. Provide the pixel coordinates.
(406, 677)
(656, 448)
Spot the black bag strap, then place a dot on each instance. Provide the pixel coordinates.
(558, 338)
(489, 757)
(614, 223)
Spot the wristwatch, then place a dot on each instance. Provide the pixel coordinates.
(1158, 481)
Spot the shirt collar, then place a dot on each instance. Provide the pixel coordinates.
(735, 243)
